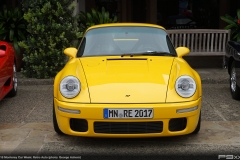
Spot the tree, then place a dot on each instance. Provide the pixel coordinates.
(52, 28)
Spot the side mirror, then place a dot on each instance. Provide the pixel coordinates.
(182, 51)
(70, 52)
(2, 53)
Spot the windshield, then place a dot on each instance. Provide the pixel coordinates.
(111, 41)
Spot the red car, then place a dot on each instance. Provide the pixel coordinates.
(8, 74)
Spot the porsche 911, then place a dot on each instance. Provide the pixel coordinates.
(127, 80)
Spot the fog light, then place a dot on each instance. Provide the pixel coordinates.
(187, 109)
(69, 110)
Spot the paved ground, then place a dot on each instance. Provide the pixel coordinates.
(26, 127)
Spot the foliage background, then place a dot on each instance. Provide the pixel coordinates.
(88, 19)
(12, 26)
(52, 28)
(233, 24)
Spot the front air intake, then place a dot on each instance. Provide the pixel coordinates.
(128, 127)
(78, 125)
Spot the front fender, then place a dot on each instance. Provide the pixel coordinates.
(72, 68)
(179, 68)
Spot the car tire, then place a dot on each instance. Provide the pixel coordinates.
(234, 87)
(55, 124)
(13, 91)
(197, 129)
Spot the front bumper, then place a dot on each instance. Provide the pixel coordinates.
(91, 118)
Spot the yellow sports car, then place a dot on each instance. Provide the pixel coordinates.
(127, 80)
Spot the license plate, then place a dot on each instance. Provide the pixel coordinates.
(128, 113)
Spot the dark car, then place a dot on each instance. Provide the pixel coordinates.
(232, 62)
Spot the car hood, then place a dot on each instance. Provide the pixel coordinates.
(127, 80)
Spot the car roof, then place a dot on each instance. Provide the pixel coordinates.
(126, 24)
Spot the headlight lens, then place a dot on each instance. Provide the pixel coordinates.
(70, 87)
(185, 86)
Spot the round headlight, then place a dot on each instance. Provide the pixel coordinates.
(70, 87)
(185, 86)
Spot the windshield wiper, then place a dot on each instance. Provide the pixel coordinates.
(148, 53)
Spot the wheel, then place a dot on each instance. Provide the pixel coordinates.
(234, 87)
(197, 129)
(13, 92)
(55, 124)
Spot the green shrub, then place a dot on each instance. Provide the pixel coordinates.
(233, 24)
(95, 17)
(52, 28)
(12, 27)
